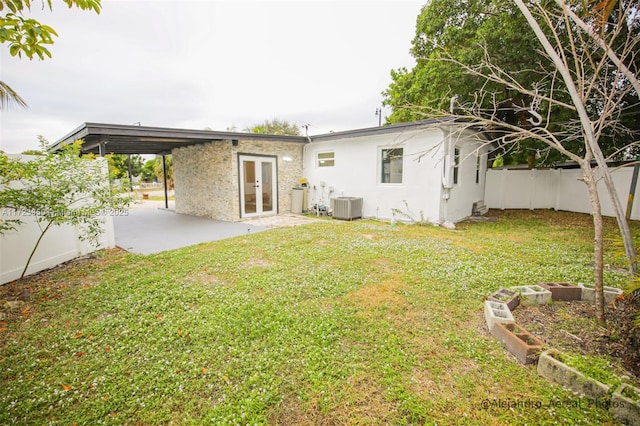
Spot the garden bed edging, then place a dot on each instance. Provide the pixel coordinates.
(558, 372)
(626, 409)
(563, 291)
(523, 345)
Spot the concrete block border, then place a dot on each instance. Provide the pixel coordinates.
(496, 312)
(623, 403)
(563, 291)
(510, 297)
(532, 294)
(625, 407)
(558, 372)
(589, 292)
(522, 344)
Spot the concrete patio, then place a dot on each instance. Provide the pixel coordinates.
(150, 228)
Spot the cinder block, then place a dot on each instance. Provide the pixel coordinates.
(589, 293)
(496, 312)
(510, 297)
(625, 406)
(522, 344)
(533, 294)
(556, 371)
(563, 291)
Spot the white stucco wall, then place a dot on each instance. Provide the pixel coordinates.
(462, 195)
(357, 172)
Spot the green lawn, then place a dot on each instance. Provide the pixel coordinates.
(329, 323)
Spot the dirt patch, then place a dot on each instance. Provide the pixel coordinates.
(19, 299)
(379, 294)
(362, 399)
(571, 326)
(255, 263)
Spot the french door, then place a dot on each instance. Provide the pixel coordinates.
(258, 186)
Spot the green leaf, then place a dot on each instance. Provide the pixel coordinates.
(14, 49)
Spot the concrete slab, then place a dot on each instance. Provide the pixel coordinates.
(281, 220)
(150, 228)
(147, 231)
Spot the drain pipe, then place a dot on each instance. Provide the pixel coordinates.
(446, 177)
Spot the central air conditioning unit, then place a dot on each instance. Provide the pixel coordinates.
(346, 208)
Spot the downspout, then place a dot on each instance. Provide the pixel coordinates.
(446, 176)
(304, 162)
(446, 166)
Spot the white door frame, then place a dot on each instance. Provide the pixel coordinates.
(262, 192)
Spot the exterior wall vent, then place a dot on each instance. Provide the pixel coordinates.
(346, 208)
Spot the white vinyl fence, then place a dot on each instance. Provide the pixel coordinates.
(557, 189)
(60, 244)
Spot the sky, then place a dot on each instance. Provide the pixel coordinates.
(222, 65)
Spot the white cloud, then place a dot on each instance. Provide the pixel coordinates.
(214, 64)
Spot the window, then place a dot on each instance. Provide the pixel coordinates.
(456, 164)
(391, 166)
(478, 167)
(326, 159)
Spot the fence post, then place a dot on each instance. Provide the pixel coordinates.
(532, 193)
(632, 189)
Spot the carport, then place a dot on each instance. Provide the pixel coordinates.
(102, 139)
(157, 229)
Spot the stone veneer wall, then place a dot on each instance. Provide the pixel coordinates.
(206, 176)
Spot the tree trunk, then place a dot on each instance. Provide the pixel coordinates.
(589, 135)
(35, 247)
(598, 245)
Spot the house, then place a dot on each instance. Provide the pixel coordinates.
(226, 176)
(428, 170)
(423, 171)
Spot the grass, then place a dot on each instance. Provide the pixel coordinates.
(631, 394)
(329, 323)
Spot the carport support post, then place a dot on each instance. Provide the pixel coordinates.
(164, 177)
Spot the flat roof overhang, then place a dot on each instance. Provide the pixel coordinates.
(130, 139)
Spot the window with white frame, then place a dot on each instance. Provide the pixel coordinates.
(456, 164)
(326, 159)
(391, 165)
(478, 163)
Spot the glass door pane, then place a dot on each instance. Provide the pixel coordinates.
(267, 186)
(250, 186)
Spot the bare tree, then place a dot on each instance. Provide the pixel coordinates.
(585, 80)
